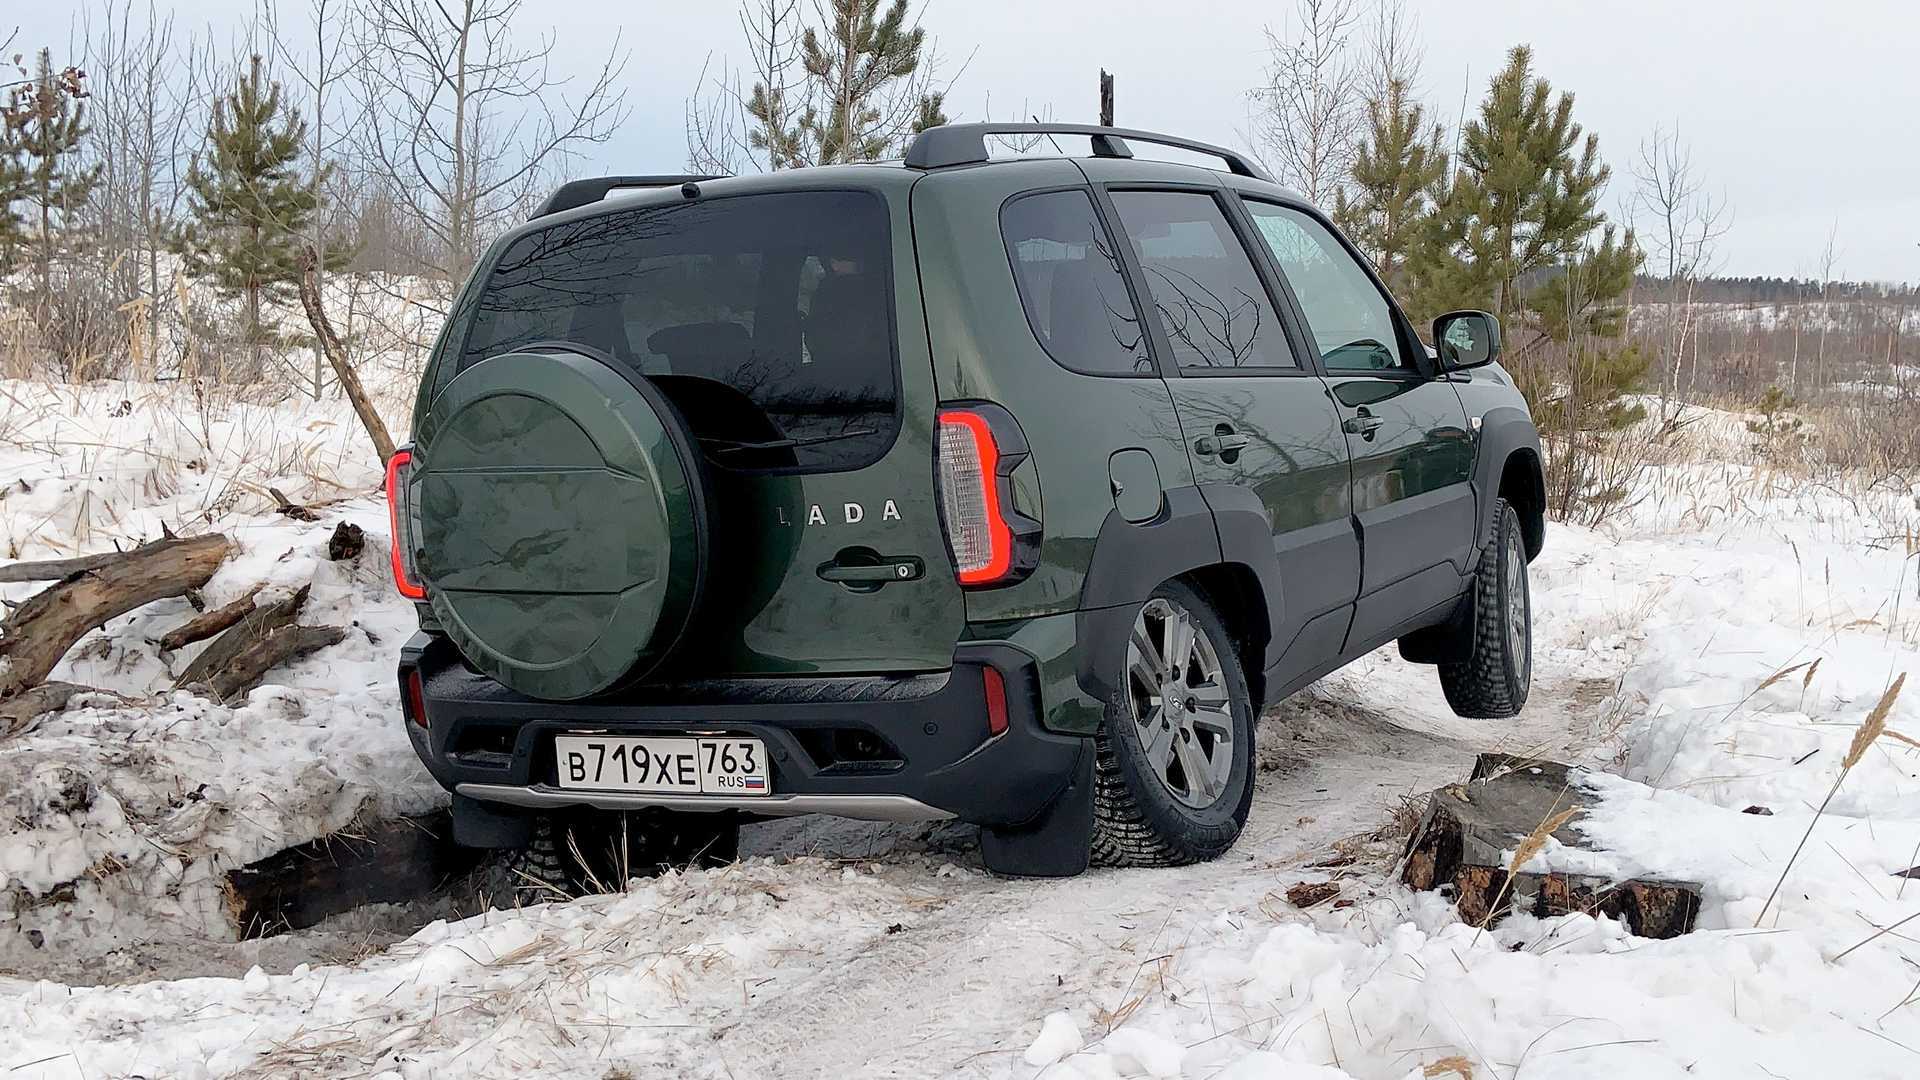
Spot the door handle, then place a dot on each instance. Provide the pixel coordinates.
(872, 575)
(1362, 423)
(1223, 441)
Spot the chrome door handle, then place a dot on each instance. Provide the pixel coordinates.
(1362, 423)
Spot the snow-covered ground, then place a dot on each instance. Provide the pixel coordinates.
(838, 949)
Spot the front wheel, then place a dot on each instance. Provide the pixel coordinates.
(1496, 670)
(1173, 767)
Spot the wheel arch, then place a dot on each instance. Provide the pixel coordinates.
(1217, 541)
(1509, 466)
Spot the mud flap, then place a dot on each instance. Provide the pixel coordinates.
(1057, 842)
(480, 825)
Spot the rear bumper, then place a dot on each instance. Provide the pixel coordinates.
(893, 749)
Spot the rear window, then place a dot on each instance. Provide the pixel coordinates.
(768, 319)
(1068, 273)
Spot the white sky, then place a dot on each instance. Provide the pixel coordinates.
(1806, 115)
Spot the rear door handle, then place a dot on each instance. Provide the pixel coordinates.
(889, 569)
(1226, 442)
(1362, 423)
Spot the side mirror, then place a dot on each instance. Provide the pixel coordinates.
(1466, 339)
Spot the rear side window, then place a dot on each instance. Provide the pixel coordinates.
(1070, 285)
(1210, 302)
(768, 319)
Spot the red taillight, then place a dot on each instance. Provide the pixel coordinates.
(400, 525)
(970, 498)
(416, 698)
(996, 688)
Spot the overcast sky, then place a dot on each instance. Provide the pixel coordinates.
(1806, 115)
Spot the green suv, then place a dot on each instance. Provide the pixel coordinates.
(1000, 490)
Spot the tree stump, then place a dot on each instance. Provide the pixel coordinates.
(1467, 830)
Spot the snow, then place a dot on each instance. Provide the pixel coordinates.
(1666, 653)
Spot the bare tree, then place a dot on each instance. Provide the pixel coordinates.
(327, 58)
(1682, 238)
(464, 122)
(1306, 112)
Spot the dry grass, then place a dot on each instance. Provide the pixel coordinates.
(1870, 730)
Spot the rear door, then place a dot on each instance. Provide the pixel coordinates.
(1404, 428)
(786, 327)
(1254, 416)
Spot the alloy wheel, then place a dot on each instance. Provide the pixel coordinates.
(1181, 709)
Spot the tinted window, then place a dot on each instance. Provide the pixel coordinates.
(767, 318)
(1070, 284)
(1349, 318)
(1209, 300)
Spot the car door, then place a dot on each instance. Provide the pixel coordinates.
(1405, 429)
(1258, 423)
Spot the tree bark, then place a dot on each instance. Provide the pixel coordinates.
(40, 631)
(19, 713)
(337, 356)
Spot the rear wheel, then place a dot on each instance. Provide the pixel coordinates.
(1173, 772)
(1496, 670)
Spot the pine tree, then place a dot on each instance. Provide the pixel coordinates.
(1524, 196)
(1395, 173)
(45, 122)
(853, 60)
(13, 190)
(248, 204)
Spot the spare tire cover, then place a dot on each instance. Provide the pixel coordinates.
(562, 531)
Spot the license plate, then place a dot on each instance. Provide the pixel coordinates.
(672, 766)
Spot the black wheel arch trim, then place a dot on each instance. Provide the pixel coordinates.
(1505, 431)
(1201, 527)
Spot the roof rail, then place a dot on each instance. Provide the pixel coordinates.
(581, 192)
(966, 144)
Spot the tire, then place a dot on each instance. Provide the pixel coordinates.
(1147, 809)
(1492, 680)
(582, 851)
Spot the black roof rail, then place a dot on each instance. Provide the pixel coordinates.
(581, 192)
(966, 144)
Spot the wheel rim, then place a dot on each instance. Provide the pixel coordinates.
(1182, 710)
(1519, 622)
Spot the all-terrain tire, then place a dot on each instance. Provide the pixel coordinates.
(1138, 820)
(581, 851)
(1491, 680)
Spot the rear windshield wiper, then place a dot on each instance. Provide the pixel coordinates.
(734, 446)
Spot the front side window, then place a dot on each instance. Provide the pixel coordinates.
(1208, 298)
(1351, 323)
(768, 319)
(1070, 284)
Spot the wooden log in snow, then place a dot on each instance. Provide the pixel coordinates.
(1467, 830)
(384, 862)
(56, 569)
(40, 631)
(19, 712)
(252, 626)
(204, 626)
(263, 654)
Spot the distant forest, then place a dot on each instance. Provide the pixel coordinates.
(1773, 290)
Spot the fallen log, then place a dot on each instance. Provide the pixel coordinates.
(19, 712)
(39, 632)
(252, 626)
(384, 862)
(281, 646)
(56, 569)
(204, 626)
(1464, 836)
